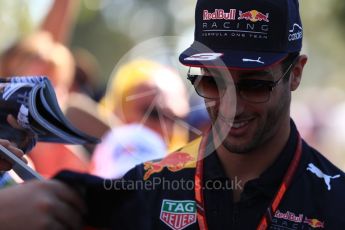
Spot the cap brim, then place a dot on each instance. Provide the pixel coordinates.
(196, 56)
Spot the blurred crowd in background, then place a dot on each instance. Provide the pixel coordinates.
(132, 94)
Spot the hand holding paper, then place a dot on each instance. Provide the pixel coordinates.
(29, 112)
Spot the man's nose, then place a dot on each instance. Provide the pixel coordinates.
(230, 103)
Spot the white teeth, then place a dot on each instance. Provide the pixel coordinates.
(234, 124)
(239, 124)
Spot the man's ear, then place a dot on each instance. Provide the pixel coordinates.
(297, 71)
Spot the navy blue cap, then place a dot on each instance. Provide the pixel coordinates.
(244, 34)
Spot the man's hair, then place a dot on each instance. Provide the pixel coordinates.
(287, 62)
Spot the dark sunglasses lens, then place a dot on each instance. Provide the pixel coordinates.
(254, 91)
(209, 87)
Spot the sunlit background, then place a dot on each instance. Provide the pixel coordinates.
(108, 29)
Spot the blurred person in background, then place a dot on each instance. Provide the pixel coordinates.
(87, 74)
(147, 99)
(252, 170)
(124, 147)
(81, 107)
(44, 53)
(37, 55)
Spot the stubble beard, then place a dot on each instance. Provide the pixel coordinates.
(263, 133)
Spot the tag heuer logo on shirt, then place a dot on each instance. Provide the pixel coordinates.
(178, 214)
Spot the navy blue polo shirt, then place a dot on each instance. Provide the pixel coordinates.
(314, 200)
(256, 196)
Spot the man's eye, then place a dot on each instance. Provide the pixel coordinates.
(253, 84)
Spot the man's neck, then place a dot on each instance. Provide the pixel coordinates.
(248, 166)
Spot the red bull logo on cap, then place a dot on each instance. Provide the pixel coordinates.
(314, 223)
(219, 14)
(253, 16)
(174, 162)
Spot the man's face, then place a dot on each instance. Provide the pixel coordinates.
(241, 125)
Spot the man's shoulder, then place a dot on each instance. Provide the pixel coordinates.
(326, 179)
(173, 164)
(327, 188)
(316, 193)
(318, 162)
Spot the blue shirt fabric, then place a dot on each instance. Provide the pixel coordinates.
(314, 200)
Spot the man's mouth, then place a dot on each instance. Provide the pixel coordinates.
(237, 123)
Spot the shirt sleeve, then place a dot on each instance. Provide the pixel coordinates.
(110, 202)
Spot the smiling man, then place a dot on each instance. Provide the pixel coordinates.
(252, 169)
(245, 64)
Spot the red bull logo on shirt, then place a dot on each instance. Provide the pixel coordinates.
(178, 214)
(174, 162)
(290, 216)
(291, 220)
(314, 223)
(253, 16)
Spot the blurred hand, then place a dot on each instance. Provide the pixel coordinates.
(13, 122)
(4, 164)
(23, 138)
(40, 205)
